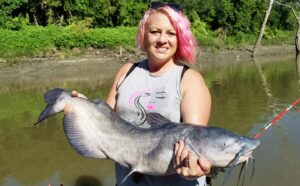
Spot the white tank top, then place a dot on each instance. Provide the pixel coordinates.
(141, 93)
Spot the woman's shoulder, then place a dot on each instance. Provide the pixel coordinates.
(192, 79)
(127, 66)
(192, 75)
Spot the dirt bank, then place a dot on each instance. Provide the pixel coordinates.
(121, 55)
(99, 66)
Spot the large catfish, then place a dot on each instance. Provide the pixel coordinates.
(95, 130)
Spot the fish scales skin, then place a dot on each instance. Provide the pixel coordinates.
(101, 133)
(76, 138)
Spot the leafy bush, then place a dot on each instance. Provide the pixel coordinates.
(240, 39)
(108, 37)
(204, 36)
(34, 39)
(27, 41)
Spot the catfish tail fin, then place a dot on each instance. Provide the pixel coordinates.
(53, 104)
(51, 96)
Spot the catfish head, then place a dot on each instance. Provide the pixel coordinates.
(221, 147)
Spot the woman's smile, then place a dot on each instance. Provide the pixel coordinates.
(161, 49)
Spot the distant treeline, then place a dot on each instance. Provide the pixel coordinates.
(39, 27)
(222, 16)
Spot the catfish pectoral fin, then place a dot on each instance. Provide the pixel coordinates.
(78, 141)
(126, 177)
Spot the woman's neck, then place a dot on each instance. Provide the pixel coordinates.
(158, 68)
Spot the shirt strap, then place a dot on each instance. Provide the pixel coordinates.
(185, 68)
(128, 73)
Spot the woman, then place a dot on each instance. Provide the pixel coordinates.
(164, 85)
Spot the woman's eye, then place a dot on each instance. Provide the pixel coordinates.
(172, 33)
(154, 32)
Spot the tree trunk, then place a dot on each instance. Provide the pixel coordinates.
(297, 38)
(70, 14)
(262, 29)
(35, 20)
(61, 20)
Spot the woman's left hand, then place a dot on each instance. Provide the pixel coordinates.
(195, 168)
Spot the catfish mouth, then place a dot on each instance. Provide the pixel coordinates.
(244, 156)
(246, 151)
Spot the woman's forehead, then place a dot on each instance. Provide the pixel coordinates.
(159, 19)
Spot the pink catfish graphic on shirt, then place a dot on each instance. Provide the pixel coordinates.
(144, 102)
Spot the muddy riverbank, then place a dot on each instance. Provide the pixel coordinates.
(26, 73)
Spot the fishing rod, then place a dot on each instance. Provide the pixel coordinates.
(273, 121)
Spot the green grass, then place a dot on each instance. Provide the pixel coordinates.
(36, 41)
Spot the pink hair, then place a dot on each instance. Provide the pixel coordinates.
(186, 50)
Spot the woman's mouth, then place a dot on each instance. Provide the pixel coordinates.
(161, 49)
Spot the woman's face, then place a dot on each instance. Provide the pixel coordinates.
(160, 38)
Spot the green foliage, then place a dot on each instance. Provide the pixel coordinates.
(36, 39)
(276, 36)
(231, 15)
(244, 14)
(67, 24)
(204, 36)
(11, 11)
(240, 39)
(108, 13)
(24, 42)
(107, 37)
(129, 13)
(16, 23)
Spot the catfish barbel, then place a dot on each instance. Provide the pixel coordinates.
(94, 130)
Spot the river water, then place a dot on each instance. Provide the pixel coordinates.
(245, 96)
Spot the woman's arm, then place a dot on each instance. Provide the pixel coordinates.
(196, 100)
(195, 109)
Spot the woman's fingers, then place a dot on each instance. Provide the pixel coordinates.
(180, 152)
(74, 93)
(188, 164)
(68, 108)
(204, 165)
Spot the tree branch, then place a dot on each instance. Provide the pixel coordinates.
(288, 6)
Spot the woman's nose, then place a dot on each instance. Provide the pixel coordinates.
(163, 38)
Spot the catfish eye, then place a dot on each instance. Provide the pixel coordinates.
(223, 146)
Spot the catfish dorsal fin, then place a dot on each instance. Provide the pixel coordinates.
(97, 101)
(102, 104)
(156, 120)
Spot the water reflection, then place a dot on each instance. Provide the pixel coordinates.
(272, 101)
(298, 68)
(245, 96)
